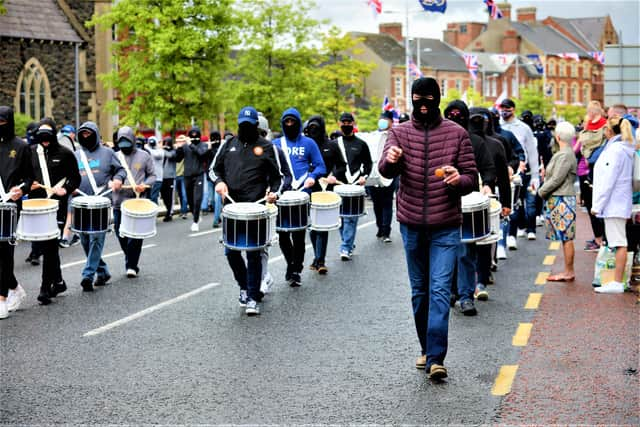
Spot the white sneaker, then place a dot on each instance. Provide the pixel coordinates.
(511, 243)
(267, 282)
(500, 252)
(195, 227)
(4, 310)
(15, 298)
(539, 221)
(131, 273)
(253, 309)
(531, 236)
(521, 232)
(610, 288)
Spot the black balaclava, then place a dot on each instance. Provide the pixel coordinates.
(458, 112)
(168, 142)
(248, 132)
(32, 128)
(425, 86)
(527, 117)
(317, 129)
(47, 132)
(125, 146)
(291, 131)
(90, 141)
(195, 135)
(7, 130)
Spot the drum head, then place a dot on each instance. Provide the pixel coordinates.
(39, 204)
(139, 206)
(90, 202)
(324, 198)
(293, 198)
(474, 201)
(245, 211)
(349, 190)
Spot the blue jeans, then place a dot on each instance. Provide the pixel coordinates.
(467, 263)
(217, 208)
(207, 194)
(93, 245)
(348, 233)
(155, 191)
(320, 241)
(247, 275)
(431, 257)
(525, 215)
(132, 248)
(182, 195)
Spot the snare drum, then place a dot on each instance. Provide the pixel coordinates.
(8, 221)
(91, 214)
(325, 211)
(635, 214)
(293, 211)
(494, 219)
(138, 220)
(352, 199)
(245, 226)
(516, 191)
(38, 220)
(475, 217)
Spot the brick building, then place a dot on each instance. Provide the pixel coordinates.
(42, 42)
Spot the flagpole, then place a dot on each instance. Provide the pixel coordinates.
(407, 53)
(516, 91)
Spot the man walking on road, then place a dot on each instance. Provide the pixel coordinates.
(434, 159)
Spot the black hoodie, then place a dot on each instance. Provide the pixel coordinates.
(333, 160)
(484, 161)
(15, 156)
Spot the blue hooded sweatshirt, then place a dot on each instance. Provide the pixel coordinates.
(304, 154)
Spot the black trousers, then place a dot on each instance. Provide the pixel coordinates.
(51, 272)
(166, 192)
(194, 187)
(7, 278)
(292, 247)
(586, 194)
(382, 198)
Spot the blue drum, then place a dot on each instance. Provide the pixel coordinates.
(352, 199)
(245, 226)
(293, 211)
(8, 221)
(476, 224)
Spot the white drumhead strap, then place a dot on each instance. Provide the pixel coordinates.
(125, 165)
(44, 170)
(350, 178)
(295, 183)
(3, 194)
(275, 152)
(87, 168)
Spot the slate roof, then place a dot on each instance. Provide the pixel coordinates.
(439, 55)
(36, 20)
(548, 39)
(385, 46)
(587, 30)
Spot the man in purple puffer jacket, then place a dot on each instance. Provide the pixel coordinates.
(428, 210)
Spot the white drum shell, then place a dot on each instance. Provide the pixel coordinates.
(39, 224)
(138, 225)
(325, 216)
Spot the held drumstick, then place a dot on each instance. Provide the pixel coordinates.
(229, 197)
(131, 187)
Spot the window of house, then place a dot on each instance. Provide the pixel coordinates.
(586, 94)
(398, 87)
(586, 71)
(562, 72)
(459, 85)
(552, 90)
(514, 86)
(574, 70)
(494, 87)
(463, 28)
(573, 98)
(443, 88)
(551, 68)
(562, 94)
(33, 94)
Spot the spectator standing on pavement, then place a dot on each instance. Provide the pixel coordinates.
(215, 201)
(157, 154)
(430, 221)
(559, 195)
(612, 176)
(181, 190)
(195, 155)
(168, 177)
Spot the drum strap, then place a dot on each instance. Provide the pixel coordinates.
(350, 178)
(3, 194)
(275, 152)
(87, 168)
(43, 166)
(295, 183)
(125, 165)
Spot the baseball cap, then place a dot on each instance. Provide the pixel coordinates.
(347, 117)
(507, 103)
(248, 114)
(68, 129)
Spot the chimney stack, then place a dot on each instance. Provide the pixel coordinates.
(526, 14)
(506, 10)
(394, 29)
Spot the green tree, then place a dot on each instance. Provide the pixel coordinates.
(573, 114)
(3, 9)
(170, 58)
(532, 98)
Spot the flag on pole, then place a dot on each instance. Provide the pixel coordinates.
(471, 61)
(494, 10)
(502, 97)
(598, 56)
(434, 5)
(386, 104)
(537, 62)
(574, 56)
(414, 71)
(376, 6)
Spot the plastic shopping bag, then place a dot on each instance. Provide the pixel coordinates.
(605, 267)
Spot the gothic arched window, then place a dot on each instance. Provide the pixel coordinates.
(33, 92)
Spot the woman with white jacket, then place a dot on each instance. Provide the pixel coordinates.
(612, 193)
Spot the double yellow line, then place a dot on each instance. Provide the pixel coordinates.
(507, 373)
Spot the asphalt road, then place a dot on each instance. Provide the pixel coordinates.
(340, 349)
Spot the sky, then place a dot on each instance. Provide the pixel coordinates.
(356, 15)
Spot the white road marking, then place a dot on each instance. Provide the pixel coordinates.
(149, 310)
(112, 254)
(204, 233)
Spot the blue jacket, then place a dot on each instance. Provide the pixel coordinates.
(304, 154)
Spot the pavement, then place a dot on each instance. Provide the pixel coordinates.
(173, 347)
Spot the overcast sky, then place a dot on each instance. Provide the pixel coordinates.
(355, 15)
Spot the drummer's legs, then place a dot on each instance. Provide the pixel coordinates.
(93, 245)
(348, 234)
(7, 279)
(134, 250)
(238, 267)
(467, 260)
(299, 240)
(286, 247)
(321, 251)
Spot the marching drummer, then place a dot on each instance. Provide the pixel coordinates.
(99, 166)
(306, 165)
(56, 176)
(16, 175)
(243, 170)
(141, 175)
(335, 165)
(356, 153)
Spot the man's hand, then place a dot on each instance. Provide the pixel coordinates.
(16, 193)
(35, 185)
(362, 180)
(60, 191)
(486, 190)
(222, 189)
(309, 182)
(394, 154)
(272, 197)
(523, 166)
(506, 211)
(452, 177)
(140, 188)
(116, 185)
(331, 179)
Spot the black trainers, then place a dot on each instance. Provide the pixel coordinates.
(34, 260)
(468, 308)
(314, 265)
(322, 269)
(295, 280)
(74, 240)
(58, 288)
(87, 285)
(167, 218)
(63, 243)
(45, 297)
(102, 280)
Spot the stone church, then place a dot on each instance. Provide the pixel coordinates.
(51, 60)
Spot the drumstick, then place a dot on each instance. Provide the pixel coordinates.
(106, 192)
(11, 193)
(229, 197)
(131, 187)
(82, 193)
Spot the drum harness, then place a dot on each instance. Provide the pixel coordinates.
(295, 182)
(5, 197)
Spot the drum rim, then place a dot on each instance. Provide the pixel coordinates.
(8, 206)
(82, 202)
(293, 198)
(349, 190)
(326, 206)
